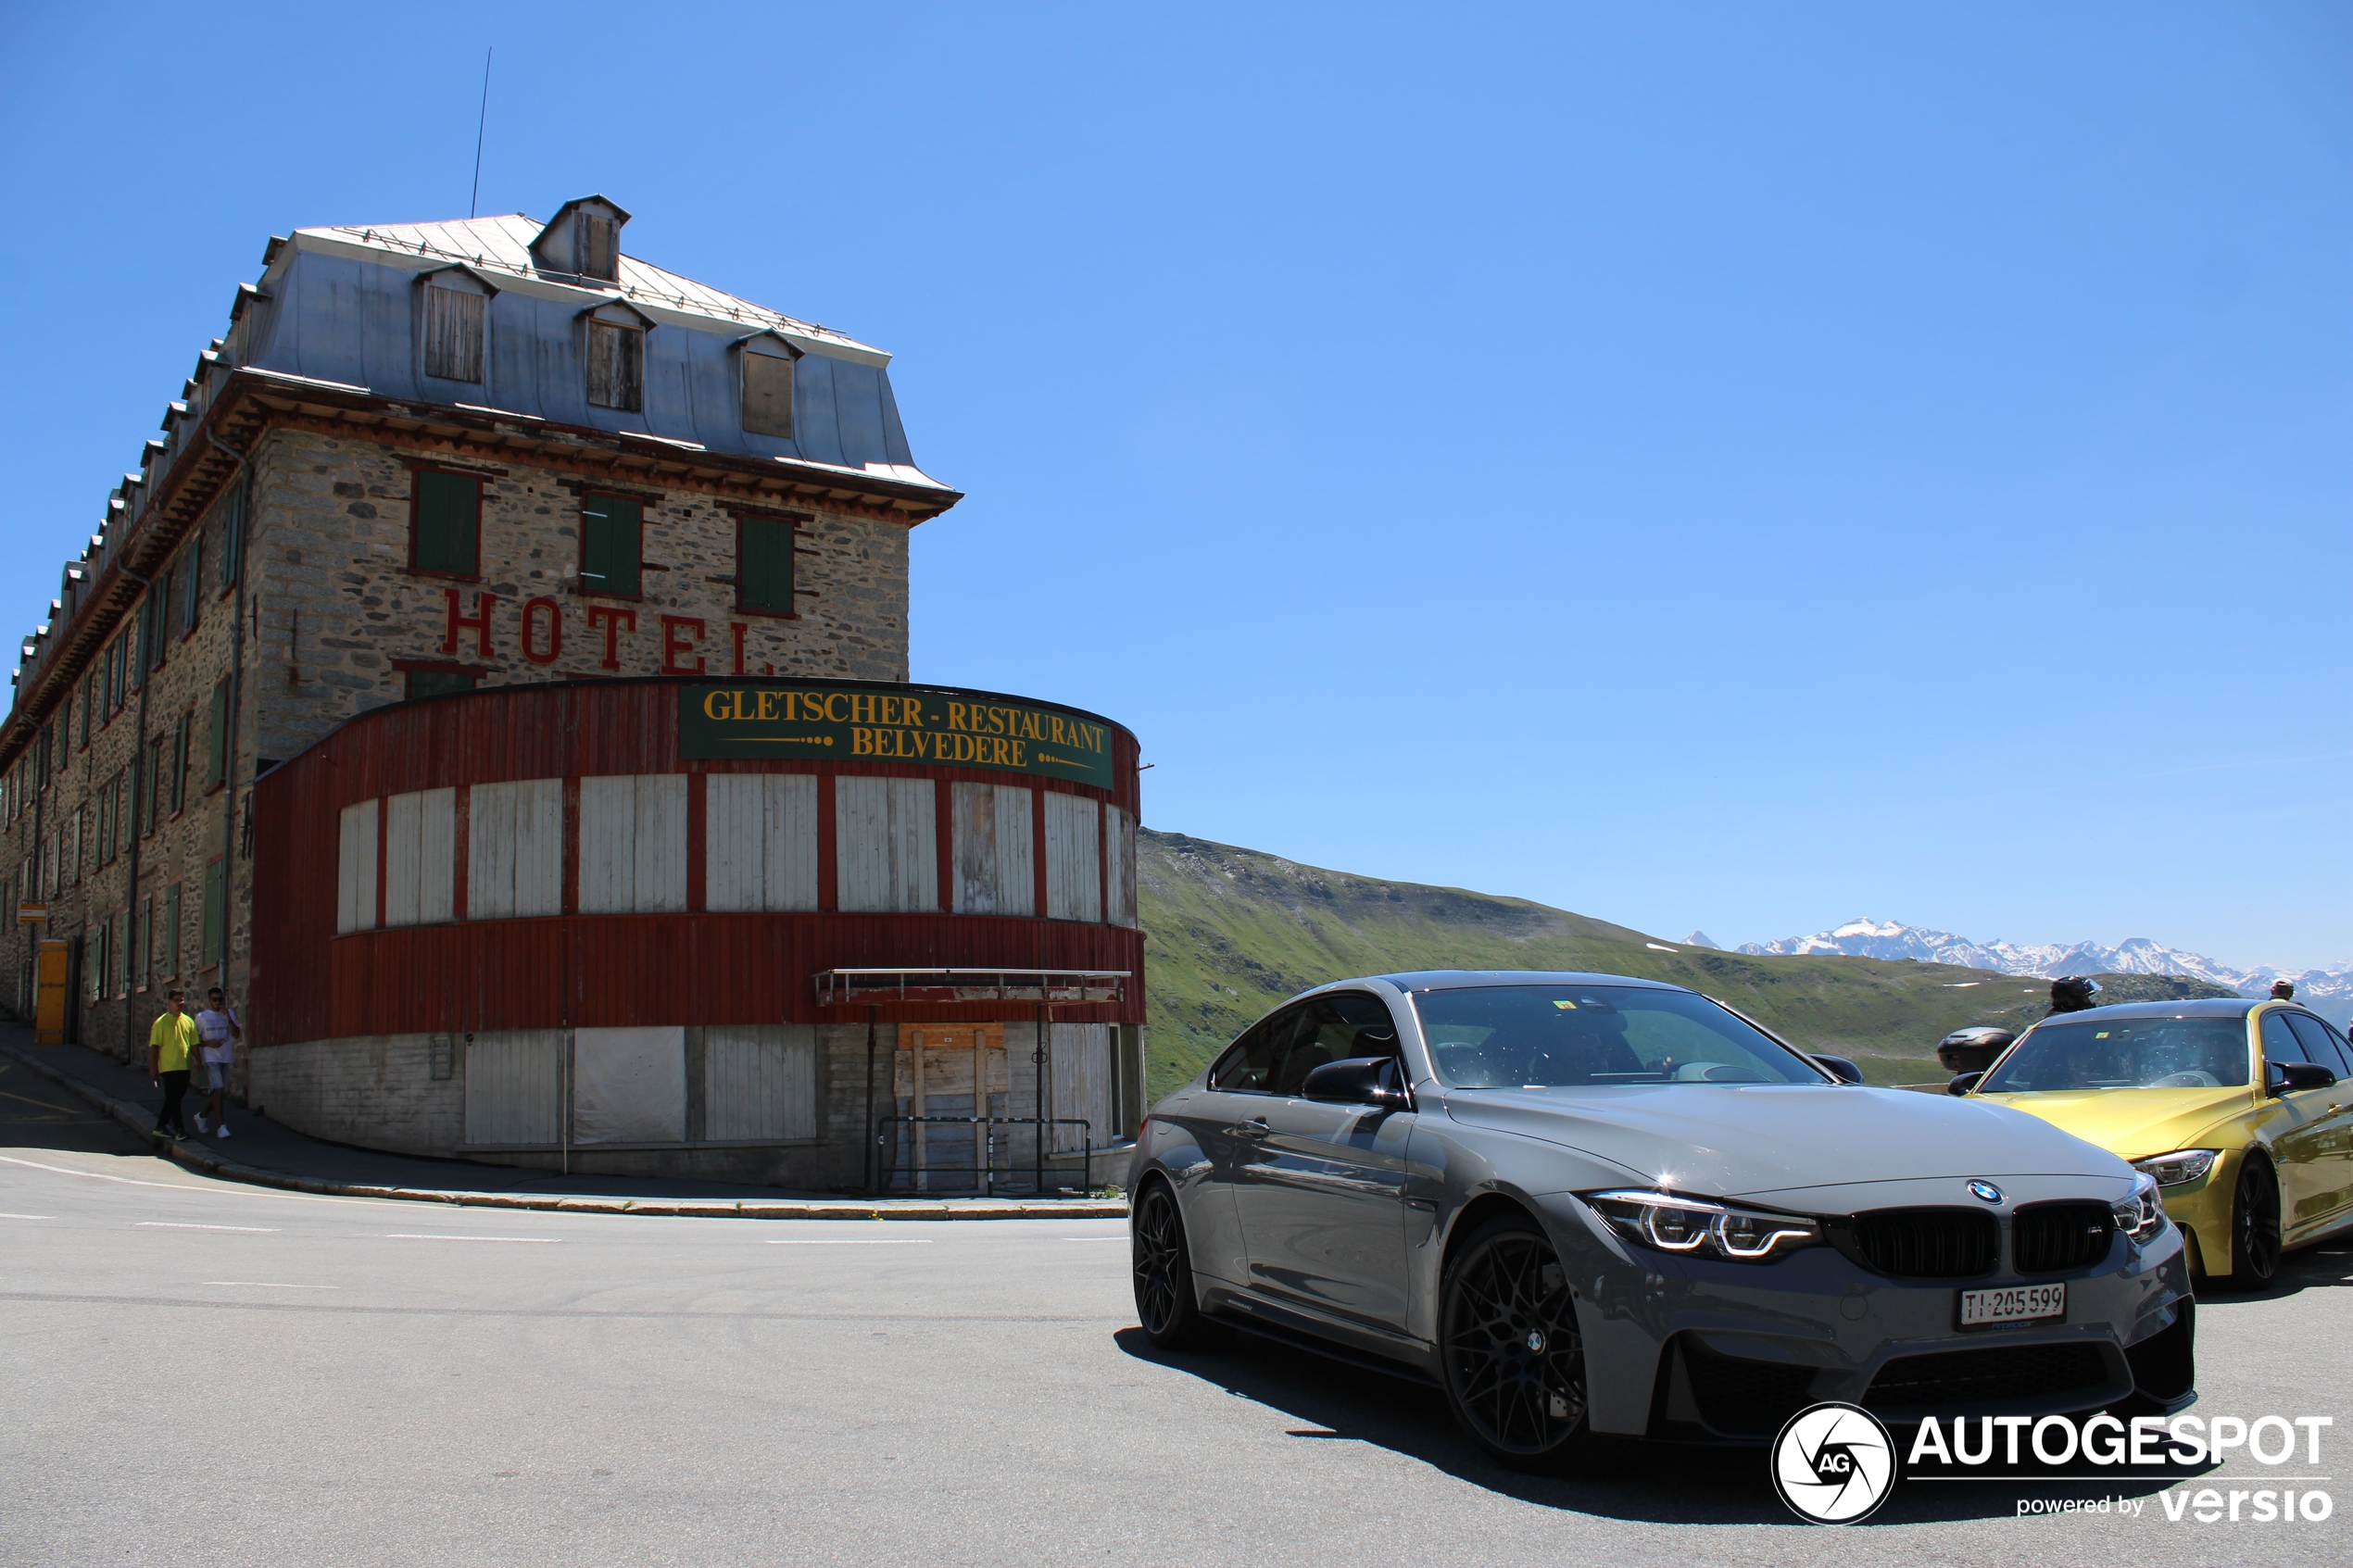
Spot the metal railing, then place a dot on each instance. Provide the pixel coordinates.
(987, 1170)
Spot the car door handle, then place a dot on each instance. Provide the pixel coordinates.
(1254, 1126)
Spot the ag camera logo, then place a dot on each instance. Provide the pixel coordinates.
(1833, 1463)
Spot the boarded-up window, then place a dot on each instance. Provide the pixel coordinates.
(763, 564)
(610, 530)
(596, 242)
(356, 869)
(420, 856)
(453, 333)
(995, 865)
(1073, 849)
(760, 1083)
(515, 1089)
(886, 839)
(633, 843)
(629, 1084)
(761, 841)
(445, 515)
(616, 363)
(215, 913)
(217, 746)
(514, 855)
(767, 394)
(434, 683)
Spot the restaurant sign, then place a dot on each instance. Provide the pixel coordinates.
(769, 720)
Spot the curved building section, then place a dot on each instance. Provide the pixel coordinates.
(707, 927)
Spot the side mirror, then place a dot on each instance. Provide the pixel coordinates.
(1359, 1080)
(1963, 1083)
(1840, 1068)
(2287, 1076)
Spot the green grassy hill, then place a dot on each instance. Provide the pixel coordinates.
(1228, 932)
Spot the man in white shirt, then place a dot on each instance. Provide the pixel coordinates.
(217, 1024)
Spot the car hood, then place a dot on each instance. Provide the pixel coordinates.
(1728, 1140)
(2134, 1124)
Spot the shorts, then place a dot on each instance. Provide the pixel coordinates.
(216, 1074)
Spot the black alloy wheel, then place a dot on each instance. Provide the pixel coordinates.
(1164, 1271)
(1514, 1361)
(2255, 1225)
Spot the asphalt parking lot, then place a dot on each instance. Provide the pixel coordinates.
(202, 1372)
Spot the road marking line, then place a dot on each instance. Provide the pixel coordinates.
(269, 1284)
(437, 1236)
(101, 1175)
(27, 1216)
(187, 1225)
(850, 1241)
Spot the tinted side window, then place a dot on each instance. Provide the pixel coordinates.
(2320, 1043)
(1248, 1066)
(2279, 1044)
(1334, 1028)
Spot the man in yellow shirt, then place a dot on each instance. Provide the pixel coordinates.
(169, 1044)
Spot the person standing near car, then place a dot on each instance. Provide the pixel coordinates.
(2074, 993)
(169, 1042)
(2283, 990)
(218, 1026)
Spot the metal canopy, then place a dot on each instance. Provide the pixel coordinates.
(842, 987)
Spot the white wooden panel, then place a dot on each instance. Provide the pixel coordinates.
(514, 1088)
(887, 845)
(760, 1082)
(608, 844)
(514, 850)
(790, 846)
(1119, 871)
(629, 1085)
(1073, 851)
(1078, 1080)
(735, 827)
(356, 869)
(420, 856)
(662, 844)
(996, 871)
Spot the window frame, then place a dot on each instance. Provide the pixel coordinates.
(416, 505)
(791, 523)
(638, 593)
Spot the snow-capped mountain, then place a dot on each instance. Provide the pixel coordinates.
(2327, 991)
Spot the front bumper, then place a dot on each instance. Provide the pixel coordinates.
(2202, 1209)
(1685, 1346)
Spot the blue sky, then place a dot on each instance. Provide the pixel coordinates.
(1736, 466)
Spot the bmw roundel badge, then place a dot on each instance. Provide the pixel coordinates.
(1985, 1190)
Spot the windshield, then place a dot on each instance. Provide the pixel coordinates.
(1540, 1036)
(2125, 1053)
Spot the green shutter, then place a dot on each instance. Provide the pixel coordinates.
(191, 586)
(171, 932)
(445, 511)
(763, 564)
(232, 520)
(105, 845)
(217, 760)
(212, 913)
(93, 953)
(178, 763)
(609, 544)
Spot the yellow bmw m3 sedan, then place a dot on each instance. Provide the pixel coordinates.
(2242, 1111)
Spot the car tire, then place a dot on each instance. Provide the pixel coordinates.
(2255, 1225)
(1513, 1361)
(1162, 1266)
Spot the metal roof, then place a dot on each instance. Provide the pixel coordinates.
(501, 245)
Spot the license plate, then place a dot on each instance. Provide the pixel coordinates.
(2016, 1303)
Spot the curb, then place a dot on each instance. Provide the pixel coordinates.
(140, 1121)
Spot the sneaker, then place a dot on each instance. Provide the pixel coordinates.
(199, 1123)
(222, 1130)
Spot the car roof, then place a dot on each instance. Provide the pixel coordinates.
(1465, 979)
(2198, 1007)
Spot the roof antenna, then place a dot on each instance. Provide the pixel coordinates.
(474, 204)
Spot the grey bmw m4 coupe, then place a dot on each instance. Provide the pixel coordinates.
(1587, 1205)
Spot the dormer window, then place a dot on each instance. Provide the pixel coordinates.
(616, 350)
(767, 377)
(455, 308)
(596, 242)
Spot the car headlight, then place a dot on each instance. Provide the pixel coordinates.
(2182, 1165)
(2141, 1216)
(1694, 1225)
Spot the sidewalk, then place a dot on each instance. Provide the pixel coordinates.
(260, 1152)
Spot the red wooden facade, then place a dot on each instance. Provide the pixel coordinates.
(573, 970)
